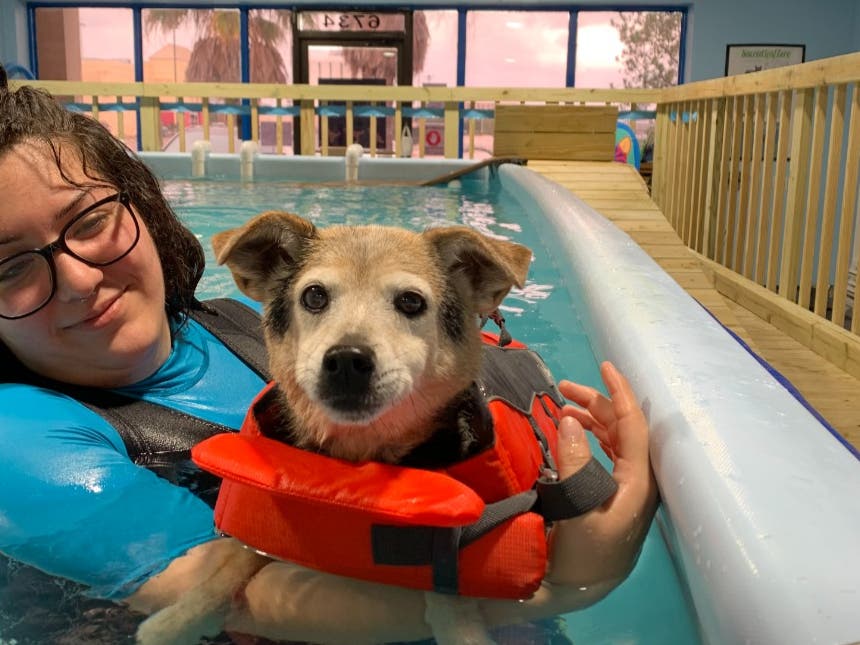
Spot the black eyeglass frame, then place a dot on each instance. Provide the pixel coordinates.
(60, 244)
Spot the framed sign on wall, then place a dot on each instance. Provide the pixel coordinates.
(743, 59)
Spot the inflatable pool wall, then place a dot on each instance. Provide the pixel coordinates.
(761, 500)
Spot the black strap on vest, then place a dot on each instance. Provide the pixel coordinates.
(160, 438)
(517, 376)
(239, 328)
(585, 490)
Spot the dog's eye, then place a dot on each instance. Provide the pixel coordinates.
(410, 303)
(315, 298)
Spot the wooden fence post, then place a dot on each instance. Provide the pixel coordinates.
(798, 168)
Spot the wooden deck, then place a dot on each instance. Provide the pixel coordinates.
(618, 192)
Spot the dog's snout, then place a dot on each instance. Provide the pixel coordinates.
(348, 361)
(347, 372)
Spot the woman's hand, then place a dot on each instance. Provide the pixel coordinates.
(602, 546)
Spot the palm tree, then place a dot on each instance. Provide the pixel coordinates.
(215, 54)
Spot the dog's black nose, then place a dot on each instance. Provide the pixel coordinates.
(347, 369)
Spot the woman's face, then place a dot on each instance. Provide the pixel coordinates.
(105, 326)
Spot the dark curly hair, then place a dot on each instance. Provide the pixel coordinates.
(32, 115)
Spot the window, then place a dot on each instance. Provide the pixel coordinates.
(434, 52)
(93, 45)
(85, 44)
(627, 48)
(191, 45)
(516, 48)
(271, 45)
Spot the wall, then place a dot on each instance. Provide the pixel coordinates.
(856, 28)
(826, 28)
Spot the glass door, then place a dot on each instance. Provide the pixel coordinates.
(354, 48)
(354, 65)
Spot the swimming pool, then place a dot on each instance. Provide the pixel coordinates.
(760, 512)
(651, 607)
(756, 538)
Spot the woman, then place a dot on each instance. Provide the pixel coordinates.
(97, 280)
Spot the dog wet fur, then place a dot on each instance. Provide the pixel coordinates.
(371, 331)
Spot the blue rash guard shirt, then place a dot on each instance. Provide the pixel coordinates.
(72, 502)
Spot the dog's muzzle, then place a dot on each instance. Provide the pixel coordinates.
(346, 376)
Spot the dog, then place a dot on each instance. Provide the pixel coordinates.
(373, 338)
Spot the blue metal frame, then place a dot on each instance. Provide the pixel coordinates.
(31, 34)
(461, 70)
(137, 27)
(245, 66)
(570, 72)
(682, 52)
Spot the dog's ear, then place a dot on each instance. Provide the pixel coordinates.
(268, 246)
(486, 266)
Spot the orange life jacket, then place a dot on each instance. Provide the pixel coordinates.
(470, 528)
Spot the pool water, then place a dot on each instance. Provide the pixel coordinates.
(651, 607)
(535, 313)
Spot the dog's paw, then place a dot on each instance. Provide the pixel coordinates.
(202, 610)
(174, 626)
(456, 620)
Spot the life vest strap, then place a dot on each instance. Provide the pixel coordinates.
(440, 546)
(239, 327)
(584, 490)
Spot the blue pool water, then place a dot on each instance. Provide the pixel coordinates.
(651, 607)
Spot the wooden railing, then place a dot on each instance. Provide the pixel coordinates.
(313, 107)
(759, 173)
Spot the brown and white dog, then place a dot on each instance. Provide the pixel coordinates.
(373, 337)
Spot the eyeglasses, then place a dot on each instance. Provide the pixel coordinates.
(102, 234)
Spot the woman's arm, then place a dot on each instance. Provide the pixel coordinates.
(288, 602)
(75, 506)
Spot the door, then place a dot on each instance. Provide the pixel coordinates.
(353, 48)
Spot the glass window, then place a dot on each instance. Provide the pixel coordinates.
(167, 44)
(361, 21)
(434, 63)
(271, 45)
(85, 44)
(191, 45)
(271, 61)
(516, 48)
(434, 52)
(511, 49)
(92, 45)
(627, 48)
